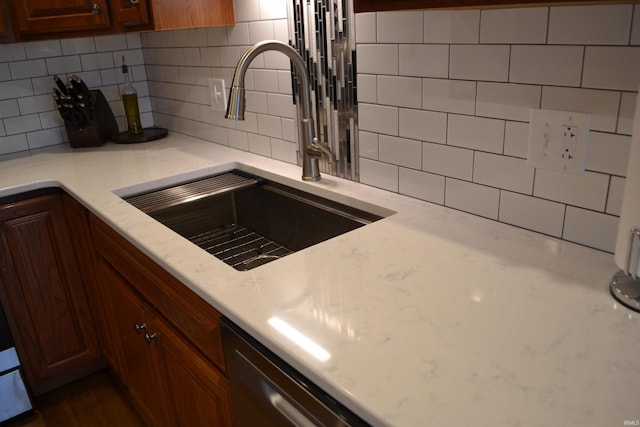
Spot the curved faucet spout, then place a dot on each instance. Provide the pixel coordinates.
(236, 104)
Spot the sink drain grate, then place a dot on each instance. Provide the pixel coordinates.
(239, 247)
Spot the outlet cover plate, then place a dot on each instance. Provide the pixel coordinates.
(218, 94)
(559, 140)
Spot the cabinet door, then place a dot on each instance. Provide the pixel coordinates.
(143, 371)
(37, 17)
(43, 294)
(6, 34)
(131, 13)
(199, 391)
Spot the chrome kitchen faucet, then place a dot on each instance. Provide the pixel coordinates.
(309, 146)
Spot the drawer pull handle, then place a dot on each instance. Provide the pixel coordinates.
(150, 337)
(140, 328)
(134, 3)
(95, 8)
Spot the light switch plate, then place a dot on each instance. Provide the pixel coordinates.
(218, 94)
(559, 140)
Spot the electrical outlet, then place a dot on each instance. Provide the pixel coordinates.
(559, 140)
(218, 94)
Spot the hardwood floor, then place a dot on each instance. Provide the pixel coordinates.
(95, 401)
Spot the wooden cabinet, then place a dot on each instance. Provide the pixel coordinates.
(167, 340)
(53, 19)
(43, 293)
(6, 31)
(46, 17)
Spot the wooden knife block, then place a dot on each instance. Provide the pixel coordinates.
(102, 128)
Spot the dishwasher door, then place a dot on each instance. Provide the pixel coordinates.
(267, 392)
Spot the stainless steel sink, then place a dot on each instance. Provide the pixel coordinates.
(248, 221)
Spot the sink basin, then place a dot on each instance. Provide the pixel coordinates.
(247, 221)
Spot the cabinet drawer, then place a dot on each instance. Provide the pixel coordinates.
(187, 312)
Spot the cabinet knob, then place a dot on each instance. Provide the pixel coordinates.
(150, 337)
(95, 8)
(134, 3)
(140, 328)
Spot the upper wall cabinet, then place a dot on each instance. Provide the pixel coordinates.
(382, 5)
(35, 18)
(54, 19)
(6, 33)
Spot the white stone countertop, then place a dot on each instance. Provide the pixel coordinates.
(431, 317)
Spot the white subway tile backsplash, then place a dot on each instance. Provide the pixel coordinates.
(97, 61)
(22, 124)
(614, 198)
(476, 133)
(448, 161)
(588, 191)
(5, 72)
(627, 111)
(134, 40)
(270, 9)
(368, 145)
(64, 65)
(367, 88)
(423, 125)
(28, 69)
(553, 65)
(111, 43)
(601, 104)
(229, 56)
(265, 80)
(269, 125)
(595, 24)
(377, 59)
(259, 31)
(590, 228)
(635, 26)
(532, 213)
(289, 130)
(78, 46)
(284, 150)
(13, 144)
(43, 49)
(2, 131)
(400, 91)
(259, 144)
(608, 153)
(366, 27)
(276, 60)
(451, 96)
(210, 56)
(44, 138)
(479, 62)
(507, 101)
(9, 108)
(611, 67)
(451, 26)
(516, 139)
(472, 198)
(508, 173)
(378, 174)
(400, 27)
(514, 26)
(249, 124)
(256, 102)
(378, 118)
(238, 139)
(12, 52)
(193, 37)
(400, 151)
(246, 10)
(36, 104)
(424, 60)
(422, 185)
(284, 82)
(281, 105)
(281, 30)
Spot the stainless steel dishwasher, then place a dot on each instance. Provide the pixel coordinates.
(267, 392)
